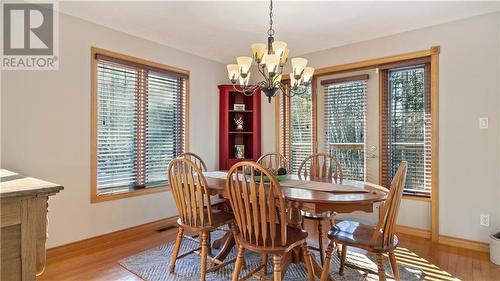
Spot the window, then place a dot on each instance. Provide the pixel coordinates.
(139, 119)
(406, 125)
(345, 123)
(370, 125)
(296, 136)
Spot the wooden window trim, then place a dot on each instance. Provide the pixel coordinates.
(433, 53)
(94, 52)
(345, 79)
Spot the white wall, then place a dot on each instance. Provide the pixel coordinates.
(469, 157)
(46, 128)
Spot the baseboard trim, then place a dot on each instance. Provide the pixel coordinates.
(108, 239)
(445, 240)
(111, 238)
(423, 233)
(464, 243)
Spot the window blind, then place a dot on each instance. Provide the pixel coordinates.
(140, 124)
(116, 125)
(406, 126)
(296, 128)
(345, 123)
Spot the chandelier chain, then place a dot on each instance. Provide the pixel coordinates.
(270, 32)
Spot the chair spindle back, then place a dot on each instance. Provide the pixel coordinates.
(189, 189)
(390, 208)
(274, 160)
(195, 159)
(321, 166)
(257, 204)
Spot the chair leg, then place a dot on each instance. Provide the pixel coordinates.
(394, 266)
(264, 264)
(381, 269)
(277, 267)
(177, 246)
(204, 253)
(238, 264)
(308, 262)
(320, 242)
(342, 259)
(209, 239)
(328, 258)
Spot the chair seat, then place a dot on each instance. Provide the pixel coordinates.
(359, 235)
(218, 219)
(314, 216)
(295, 237)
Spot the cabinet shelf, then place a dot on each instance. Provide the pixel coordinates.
(243, 132)
(240, 111)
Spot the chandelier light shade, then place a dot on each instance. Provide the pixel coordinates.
(279, 47)
(244, 64)
(270, 60)
(233, 72)
(308, 74)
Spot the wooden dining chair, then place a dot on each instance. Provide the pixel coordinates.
(189, 189)
(195, 159)
(260, 213)
(320, 167)
(217, 200)
(274, 161)
(379, 240)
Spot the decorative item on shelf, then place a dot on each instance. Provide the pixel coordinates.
(270, 60)
(239, 106)
(239, 123)
(239, 151)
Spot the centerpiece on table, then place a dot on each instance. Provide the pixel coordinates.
(280, 174)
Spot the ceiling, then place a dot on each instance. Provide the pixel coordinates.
(223, 30)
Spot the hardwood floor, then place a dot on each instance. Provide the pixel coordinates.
(100, 262)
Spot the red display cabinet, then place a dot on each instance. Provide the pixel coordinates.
(229, 136)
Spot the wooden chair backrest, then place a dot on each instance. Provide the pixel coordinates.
(256, 205)
(274, 160)
(195, 159)
(390, 208)
(189, 189)
(321, 166)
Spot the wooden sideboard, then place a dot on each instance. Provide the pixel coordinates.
(24, 202)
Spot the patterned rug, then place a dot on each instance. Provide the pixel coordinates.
(152, 265)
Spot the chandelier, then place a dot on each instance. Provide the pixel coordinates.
(270, 60)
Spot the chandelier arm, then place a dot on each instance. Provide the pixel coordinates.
(299, 90)
(262, 71)
(246, 90)
(262, 84)
(283, 88)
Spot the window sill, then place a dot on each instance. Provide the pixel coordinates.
(417, 197)
(95, 198)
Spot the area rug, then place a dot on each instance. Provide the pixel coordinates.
(152, 265)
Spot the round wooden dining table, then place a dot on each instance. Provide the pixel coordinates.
(306, 194)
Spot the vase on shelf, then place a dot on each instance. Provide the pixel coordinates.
(239, 123)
